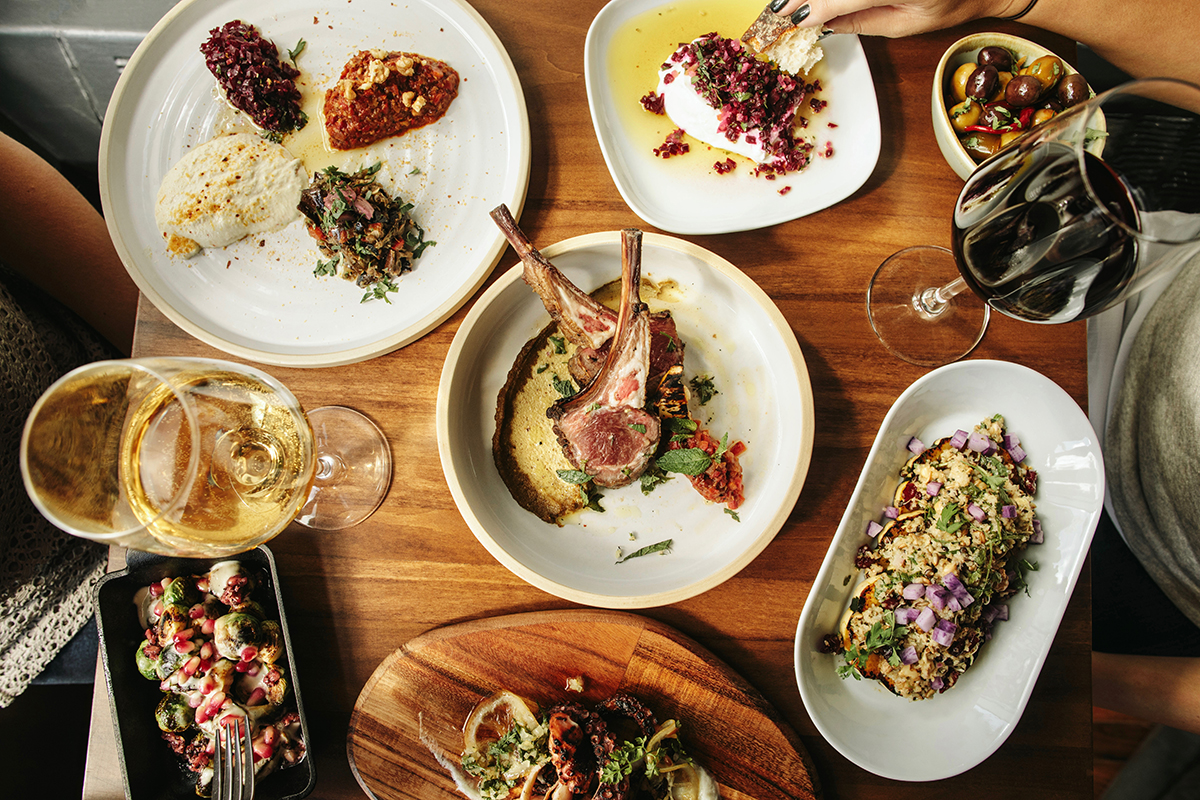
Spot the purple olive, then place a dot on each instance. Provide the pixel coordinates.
(1073, 89)
(1022, 91)
(982, 82)
(996, 56)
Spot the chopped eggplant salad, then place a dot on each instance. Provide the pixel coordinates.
(942, 563)
(358, 225)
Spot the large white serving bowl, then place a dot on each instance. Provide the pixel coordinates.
(734, 333)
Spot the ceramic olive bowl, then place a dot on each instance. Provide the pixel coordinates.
(964, 51)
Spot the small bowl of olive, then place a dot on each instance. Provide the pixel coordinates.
(989, 89)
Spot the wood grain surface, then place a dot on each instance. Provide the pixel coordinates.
(420, 696)
(355, 596)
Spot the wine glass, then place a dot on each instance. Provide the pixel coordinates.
(195, 457)
(1072, 218)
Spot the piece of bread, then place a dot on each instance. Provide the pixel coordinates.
(792, 49)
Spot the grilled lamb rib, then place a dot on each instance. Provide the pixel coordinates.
(587, 323)
(605, 430)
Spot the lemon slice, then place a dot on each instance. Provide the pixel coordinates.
(494, 716)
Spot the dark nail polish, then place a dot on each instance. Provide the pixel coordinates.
(801, 14)
(776, 5)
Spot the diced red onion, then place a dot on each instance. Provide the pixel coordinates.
(873, 528)
(891, 512)
(995, 612)
(916, 446)
(1037, 537)
(1018, 455)
(914, 591)
(906, 615)
(944, 638)
(979, 442)
(959, 439)
(1010, 441)
(975, 511)
(1008, 512)
(908, 655)
(932, 488)
(958, 590)
(926, 619)
(937, 596)
(937, 684)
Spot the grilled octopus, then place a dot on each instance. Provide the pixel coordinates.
(581, 741)
(585, 322)
(605, 430)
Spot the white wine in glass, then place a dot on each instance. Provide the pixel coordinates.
(190, 457)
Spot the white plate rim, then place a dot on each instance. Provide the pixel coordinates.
(826, 583)
(431, 320)
(698, 223)
(803, 457)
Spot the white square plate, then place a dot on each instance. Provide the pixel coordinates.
(683, 194)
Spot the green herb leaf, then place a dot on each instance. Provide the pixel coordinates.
(560, 344)
(415, 171)
(639, 427)
(326, 267)
(379, 291)
(575, 476)
(658, 547)
(295, 53)
(689, 461)
(702, 385)
(566, 387)
(733, 514)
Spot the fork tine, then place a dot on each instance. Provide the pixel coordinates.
(247, 770)
(233, 762)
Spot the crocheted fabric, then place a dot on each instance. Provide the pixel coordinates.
(46, 575)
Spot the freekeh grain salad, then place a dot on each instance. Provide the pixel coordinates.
(938, 570)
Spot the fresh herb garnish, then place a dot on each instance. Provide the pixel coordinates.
(294, 53)
(565, 387)
(379, 291)
(658, 547)
(702, 385)
(686, 460)
(327, 267)
(575, 476)
(560, 344)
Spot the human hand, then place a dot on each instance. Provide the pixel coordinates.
(881, 18)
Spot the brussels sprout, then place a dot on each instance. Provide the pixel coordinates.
(234, 632)
(169, 661)
(276, 684)
(173, 714)
(251, 607)
(270, 649)
(174, 619)
(147, 665)
(181, 592)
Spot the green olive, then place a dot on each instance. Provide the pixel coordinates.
(958, 82)
(981, 146)
(964, 114)
(1048, 70)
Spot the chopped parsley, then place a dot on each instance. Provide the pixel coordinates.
(658, 547)
(702, 385)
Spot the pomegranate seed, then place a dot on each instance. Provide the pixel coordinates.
(268, 736)
(191, 665)
(217, 699)
(256, 697)
(185, 647)
(184, 635)
(249, 652)
(206, 650)
(241, 666)
(157, 608)
(253, 670)
(263, 751)
(195, 699)
(205, 666)
(196, 611)
(208, 627)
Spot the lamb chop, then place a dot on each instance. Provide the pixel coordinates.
(584, 321)
(605, 430)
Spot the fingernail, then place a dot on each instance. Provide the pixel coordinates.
(776, 5)
(800, 14)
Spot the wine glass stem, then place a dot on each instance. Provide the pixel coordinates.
(931, 302)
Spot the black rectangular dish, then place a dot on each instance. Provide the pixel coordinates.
(149, 768)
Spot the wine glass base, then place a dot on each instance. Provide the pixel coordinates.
(354, 469)
(907, 327)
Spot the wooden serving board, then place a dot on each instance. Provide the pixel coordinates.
(419, 697)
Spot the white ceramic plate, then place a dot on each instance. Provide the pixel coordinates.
(683, 194)
(952, 732)
(733, 332)
(263, 302)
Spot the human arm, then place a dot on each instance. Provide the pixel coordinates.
(53, 236)
(1160, 689)
(1145, 38)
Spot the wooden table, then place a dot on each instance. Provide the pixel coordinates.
(357, 595)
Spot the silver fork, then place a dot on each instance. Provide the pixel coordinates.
(233, 762)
